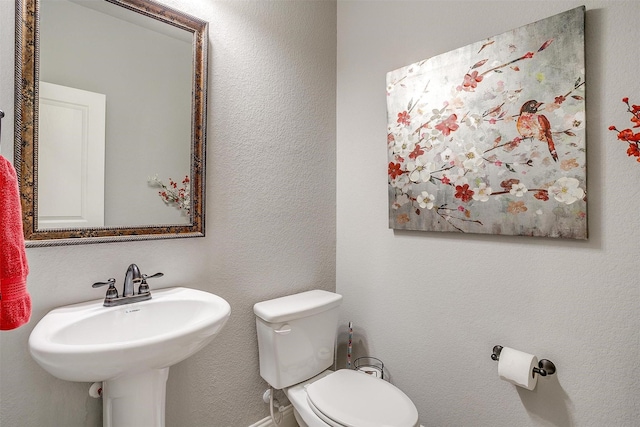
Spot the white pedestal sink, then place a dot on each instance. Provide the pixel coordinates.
(129, 348)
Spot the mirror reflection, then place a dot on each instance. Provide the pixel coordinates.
(96, 156)
(111, 135)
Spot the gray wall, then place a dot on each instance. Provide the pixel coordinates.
(432, 305)
(270, 215)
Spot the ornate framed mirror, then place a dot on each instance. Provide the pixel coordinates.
(131, 75)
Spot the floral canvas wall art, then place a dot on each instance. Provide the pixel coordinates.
(490, 138)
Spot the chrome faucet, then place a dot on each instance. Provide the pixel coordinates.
(129, 295)
(130, 278)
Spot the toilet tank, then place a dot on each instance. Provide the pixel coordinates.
(296, 336)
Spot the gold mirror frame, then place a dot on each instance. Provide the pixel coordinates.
(26, 130)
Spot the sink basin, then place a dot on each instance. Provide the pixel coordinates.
(129, 348)
(89, 342)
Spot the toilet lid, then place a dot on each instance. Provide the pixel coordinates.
(355, 399)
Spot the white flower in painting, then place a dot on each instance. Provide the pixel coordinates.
(456, 102)
(518, 190)
(425, 200)
(472, 160)
(473, 121)
(390, 88)
(511, 97)
(420, 170)
(401, 200)
(401, 182)
(574, 121)
(447, 156)
(403, 147)
(425, 143)
(566, 190)
(482, 192)
(578, 120)
(459, 178)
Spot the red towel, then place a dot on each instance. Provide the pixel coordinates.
(15, 302)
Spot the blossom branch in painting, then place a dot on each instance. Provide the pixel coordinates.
(472, 78)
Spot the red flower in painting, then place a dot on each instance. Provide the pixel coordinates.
(513, 144)
(529, 55)
(404, 118)
(507, 184)
(542, 195)
(448, 125)
(516, 207)
(464, 193)
(559, 99)
(471, 81)
(390, 138)
(416, 152)
(395, 170)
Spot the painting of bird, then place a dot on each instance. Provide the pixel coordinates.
(467, 154)
(531, 124)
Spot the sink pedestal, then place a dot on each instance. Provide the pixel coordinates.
(135, 400)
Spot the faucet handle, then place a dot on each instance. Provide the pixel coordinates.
(144, 287)
(110, 282)
(112, 292)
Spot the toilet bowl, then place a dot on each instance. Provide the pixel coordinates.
(296, 347)
(347, 398)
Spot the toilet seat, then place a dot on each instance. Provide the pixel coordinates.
(348, 398)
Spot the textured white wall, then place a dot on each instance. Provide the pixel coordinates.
(432, 305)
(270, 215)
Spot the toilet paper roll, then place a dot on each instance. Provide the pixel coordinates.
(516, 367)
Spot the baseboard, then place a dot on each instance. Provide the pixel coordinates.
(288, 420)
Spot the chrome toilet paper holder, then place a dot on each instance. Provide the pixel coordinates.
(545, 366)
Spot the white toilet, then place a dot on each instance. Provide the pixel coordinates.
(296, 342)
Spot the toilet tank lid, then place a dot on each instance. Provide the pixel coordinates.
(296, 306)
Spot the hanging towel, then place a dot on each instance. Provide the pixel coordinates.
(15, 302)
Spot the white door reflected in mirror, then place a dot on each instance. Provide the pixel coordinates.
(71, 160)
